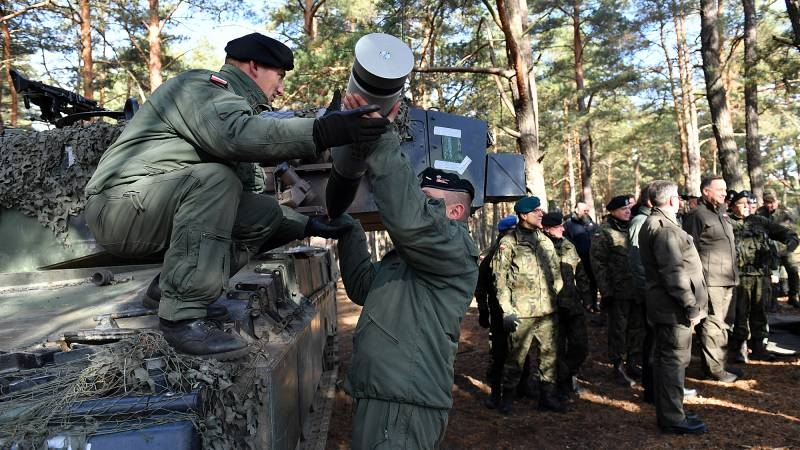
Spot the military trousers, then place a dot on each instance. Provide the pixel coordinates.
(789, 263)
(542, 330)
(671, 356)
(192, 216)
(714, 329)
(752, 295)
(573, 342)
(498, 339)
(380, 424)
(625, 329)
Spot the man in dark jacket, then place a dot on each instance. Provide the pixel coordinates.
(773, 210)
(676, 301)
(711, 229)
(171, 183)
(414, 299)
(579, 228)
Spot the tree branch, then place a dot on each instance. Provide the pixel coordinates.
(22, 11)
(505, 73)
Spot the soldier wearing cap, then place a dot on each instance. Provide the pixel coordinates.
(179, 181)
(712, 233)
(573, 341)
(755, 259)
(528, 278)
(610, 257)
(414, 299)
(773, 210)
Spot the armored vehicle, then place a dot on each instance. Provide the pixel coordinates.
(82, 364)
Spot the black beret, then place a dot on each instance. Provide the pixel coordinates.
(439, 179)
(617, 202)
(261, 49)
(736, 196)
(552, 219)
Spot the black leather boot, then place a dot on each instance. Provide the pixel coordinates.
(507, 401)
(203, 338)
(737, 351)
(548, 401)
(620, 376)
(493, 401)
(760, 352)
(153, 296)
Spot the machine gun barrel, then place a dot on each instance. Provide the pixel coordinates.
(55, 101)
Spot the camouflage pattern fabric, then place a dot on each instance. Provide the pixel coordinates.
(544, 331)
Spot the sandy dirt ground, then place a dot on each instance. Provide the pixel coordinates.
(761, 411)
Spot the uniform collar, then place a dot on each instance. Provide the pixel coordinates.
(244, 86)
(669, 215)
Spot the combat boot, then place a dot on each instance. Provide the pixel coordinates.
(493, 401)
(738, 351)
(760, 352)
(634, 368)
(507, 401)
(619, 375)
(152, 298)
(793, 301)
(524, 389)
(203, 338)
(548, 401)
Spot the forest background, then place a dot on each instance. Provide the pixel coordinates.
(598, 95)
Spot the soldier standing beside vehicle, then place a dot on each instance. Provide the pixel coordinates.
(528, 279)
(573, 341)
(677, 300)
(711, 229)
(170, 183)
(755, 260)
(773, 210)
(610, 256)
(414, 299)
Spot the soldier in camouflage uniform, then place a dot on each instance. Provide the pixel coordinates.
(610, 256)
(573, 341)
(755, 260)
(490, 316)
(528, 279)
(773, 210)
(170, 184)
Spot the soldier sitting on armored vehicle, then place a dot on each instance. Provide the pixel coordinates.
(171, 183)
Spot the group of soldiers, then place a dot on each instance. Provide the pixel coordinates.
(666, 266)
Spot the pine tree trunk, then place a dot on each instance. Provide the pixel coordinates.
(717, 95)
(585, 137)
(87, 69)
(751, 99)
(154, 41)
(688, 103)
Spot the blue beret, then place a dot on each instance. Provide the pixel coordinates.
(439, 179)
(261, 49)
(507, 223)
(526, 205)
(617, 202)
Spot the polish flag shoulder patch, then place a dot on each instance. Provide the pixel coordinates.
(218, 81)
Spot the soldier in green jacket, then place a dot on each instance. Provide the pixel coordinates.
(528, 278)
(755, 260)
(414, 299)
(773, 210)
(169, 183)
(677, 300)
(610, 257)
(573, 341)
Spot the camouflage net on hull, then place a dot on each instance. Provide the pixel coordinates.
(230, 397)
(36, 177)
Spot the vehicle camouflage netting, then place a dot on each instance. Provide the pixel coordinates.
(231, 396)
(43, 174)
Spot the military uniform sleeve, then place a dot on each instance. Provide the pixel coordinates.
(501, 267)
(419, 228)
(667, 248)
(637, 268)
(782, 234)
(484, 280)
(357, 269)
(598, 257)
(220, 123)
(581, 278)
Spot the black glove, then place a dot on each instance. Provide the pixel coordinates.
(791, 246)
(322, 227)
(510, 323)
(337, 128)
(483, 318)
